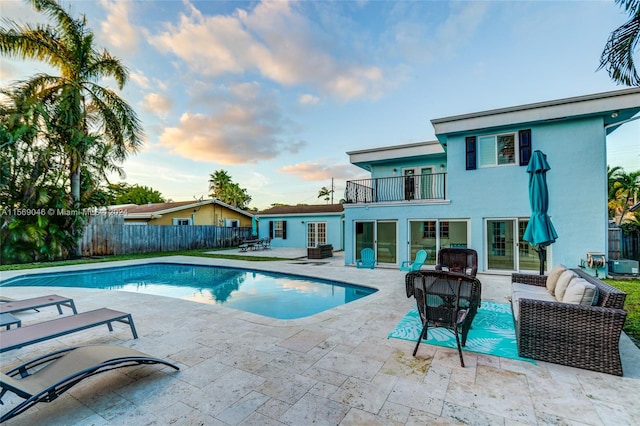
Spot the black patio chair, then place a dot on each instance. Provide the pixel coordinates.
(445, 299)
(463, 260)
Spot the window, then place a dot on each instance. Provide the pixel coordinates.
(182, 221)
(316, 234)
(444, 229)
(278, 229)
(497, 150)
(429, 229)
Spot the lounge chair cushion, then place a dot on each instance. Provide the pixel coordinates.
(580, 291)
(552, 278)
(563, 283)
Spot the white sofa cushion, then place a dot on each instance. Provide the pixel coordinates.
(580, 291)
(524, 291)
(552, 278)
(563, 283)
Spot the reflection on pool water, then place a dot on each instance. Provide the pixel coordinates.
(270, 294)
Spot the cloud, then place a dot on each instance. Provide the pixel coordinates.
(319, 171)
(116, 28)
(273, 39)
(308, 99)
(158, 104)
(243, 126)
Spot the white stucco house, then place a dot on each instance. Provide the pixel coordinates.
(469, 188)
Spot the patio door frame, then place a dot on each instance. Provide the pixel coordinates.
(376, 244)
(514, 245)
(415, 186)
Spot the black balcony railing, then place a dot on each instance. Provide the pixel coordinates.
(397, 188)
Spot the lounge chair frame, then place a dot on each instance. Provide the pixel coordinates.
(122, 357)
(11, 306)
(39, 332)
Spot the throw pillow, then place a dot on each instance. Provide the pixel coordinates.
(553, 276)
(579, 291)
(563, 283)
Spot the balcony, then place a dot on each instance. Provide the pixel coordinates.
(397, 188)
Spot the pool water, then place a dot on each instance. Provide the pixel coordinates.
(274, 295)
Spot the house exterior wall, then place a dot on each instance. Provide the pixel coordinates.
(297, 229)
(576, 152)
(208, 214)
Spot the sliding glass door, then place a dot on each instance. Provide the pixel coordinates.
(380, 236)
(506, 250)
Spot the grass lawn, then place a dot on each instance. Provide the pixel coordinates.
(631, 305)
(100, 259)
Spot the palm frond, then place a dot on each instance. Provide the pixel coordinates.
(618, 54)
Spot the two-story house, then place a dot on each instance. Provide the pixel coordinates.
(470, 187)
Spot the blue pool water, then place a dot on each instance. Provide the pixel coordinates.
(273, 295)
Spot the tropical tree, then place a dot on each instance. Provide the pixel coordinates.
(218, 181)
(224, 189)
(33, 225)
(83, 113)
(624, 189)
(618, 54)
(140, 195)
(325, 193)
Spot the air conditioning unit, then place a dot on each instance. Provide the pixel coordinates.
(624, 266)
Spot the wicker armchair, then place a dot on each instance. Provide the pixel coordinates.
(445, 299)
(579, 336)
(462, 260)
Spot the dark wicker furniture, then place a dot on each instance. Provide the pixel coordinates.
(575, 335)
(320, 252)
(445, 299)
(463, 260)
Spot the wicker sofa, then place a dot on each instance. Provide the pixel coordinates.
(578, 335)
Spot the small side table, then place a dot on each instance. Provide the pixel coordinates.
(7, 320)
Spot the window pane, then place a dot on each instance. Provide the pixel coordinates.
(506, 149)
(487, 151)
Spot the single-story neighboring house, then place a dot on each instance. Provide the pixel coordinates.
(303, 226)
(203, 212)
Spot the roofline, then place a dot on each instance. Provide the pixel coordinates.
(393, 147)
(536, 105)
(200, 204)
(548, 110)
(258, 216)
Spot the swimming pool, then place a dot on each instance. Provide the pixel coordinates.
(270, 294)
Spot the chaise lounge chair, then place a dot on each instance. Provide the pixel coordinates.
(408, 266)
(39, 332)
(367, 259)
(11, 305)
(58, 372)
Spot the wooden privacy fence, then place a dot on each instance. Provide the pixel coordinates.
(108, 235)
(623, 246)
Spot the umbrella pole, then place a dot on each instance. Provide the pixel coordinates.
(542, 256)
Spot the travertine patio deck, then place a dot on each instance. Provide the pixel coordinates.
(337, 367)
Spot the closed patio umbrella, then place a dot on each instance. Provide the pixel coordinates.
(540, 232)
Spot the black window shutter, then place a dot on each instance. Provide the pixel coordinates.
(524, 144)
(470, 150)
(270, 229)
(284, 229)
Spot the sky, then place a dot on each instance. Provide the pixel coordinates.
(276, 93)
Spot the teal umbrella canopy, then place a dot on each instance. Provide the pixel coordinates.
(540, 231)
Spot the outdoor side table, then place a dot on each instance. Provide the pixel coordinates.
(7, 320)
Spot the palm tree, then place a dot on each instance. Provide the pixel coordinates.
(218, 181)
(627, 186)
(618, 54)
(82, 111)
(324, 192)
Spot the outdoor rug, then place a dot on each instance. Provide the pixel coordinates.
(492, 332)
